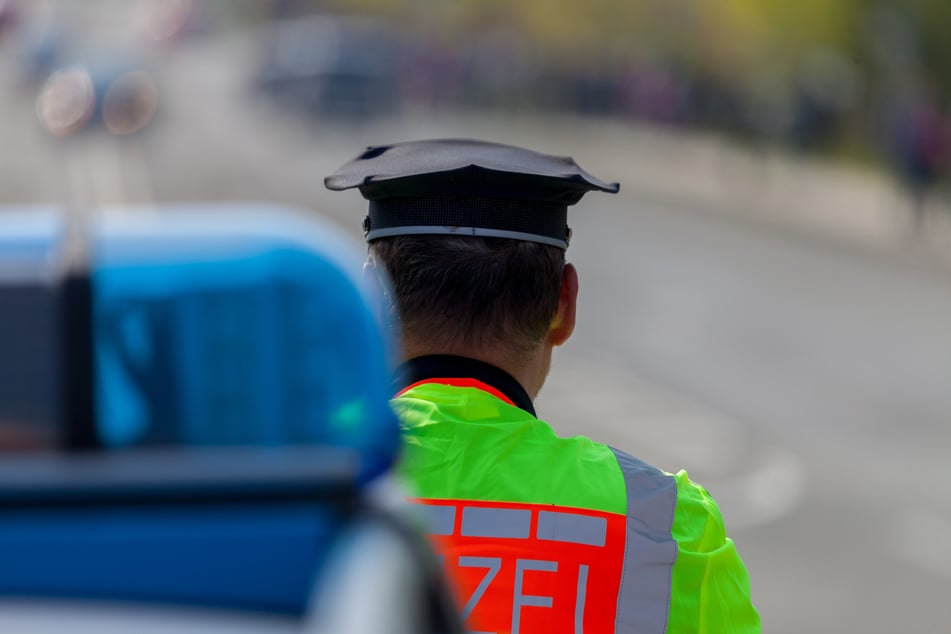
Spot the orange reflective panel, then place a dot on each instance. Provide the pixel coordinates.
(530, 567)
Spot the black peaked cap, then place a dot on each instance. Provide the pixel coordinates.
(466, 187)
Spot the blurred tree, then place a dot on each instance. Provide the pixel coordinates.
(934, 23)
(822, 74)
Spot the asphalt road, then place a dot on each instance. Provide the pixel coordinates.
(804, 380)
(828, 373)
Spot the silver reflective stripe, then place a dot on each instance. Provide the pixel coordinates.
(438, 519)
(643, 602)
(572, 527)
(495, 522)
(465, 231)
(442, 519)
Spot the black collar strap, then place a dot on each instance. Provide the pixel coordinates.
(445, 366)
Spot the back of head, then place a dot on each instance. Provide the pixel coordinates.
(467, 292)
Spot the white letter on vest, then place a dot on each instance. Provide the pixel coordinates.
(493, 565)
(519, 599)
(580, 598)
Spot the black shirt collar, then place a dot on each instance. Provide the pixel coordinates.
(446, 366)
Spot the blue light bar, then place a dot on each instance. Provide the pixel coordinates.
(236, 325)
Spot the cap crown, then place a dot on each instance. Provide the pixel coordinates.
(467, 187)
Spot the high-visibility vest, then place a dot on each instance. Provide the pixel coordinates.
(545, 534)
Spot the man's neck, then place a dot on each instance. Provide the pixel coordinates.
(530, 370)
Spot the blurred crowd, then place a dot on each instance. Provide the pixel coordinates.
(886, 110)
(826, 104)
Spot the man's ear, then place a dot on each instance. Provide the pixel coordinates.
(564, 322)
(371, 276)
(385, 310)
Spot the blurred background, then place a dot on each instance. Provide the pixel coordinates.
(765, 304)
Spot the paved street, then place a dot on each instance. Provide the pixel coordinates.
(803, 377)
(826, 376)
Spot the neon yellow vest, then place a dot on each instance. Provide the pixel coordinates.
(503, 486)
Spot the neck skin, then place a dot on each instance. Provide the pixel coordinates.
(530, 370)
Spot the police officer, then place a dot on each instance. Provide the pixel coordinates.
(538, 533)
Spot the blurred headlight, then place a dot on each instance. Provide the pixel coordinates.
(66, 102)
(129, 103)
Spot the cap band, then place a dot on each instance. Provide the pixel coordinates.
(535, 221)
(465, 231)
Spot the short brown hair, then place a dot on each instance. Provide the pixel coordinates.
(473, 291)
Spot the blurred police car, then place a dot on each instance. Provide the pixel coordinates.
(331, 66)
(195, 430)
